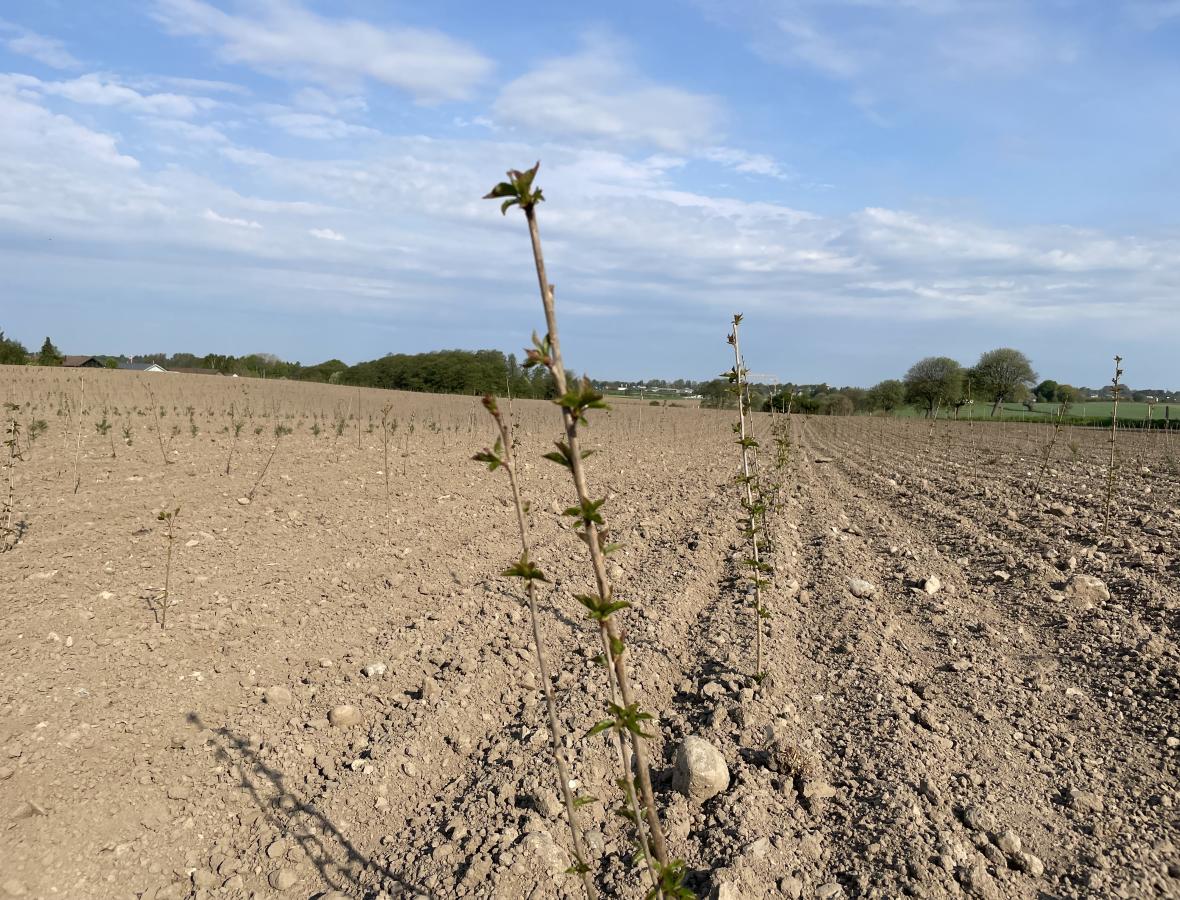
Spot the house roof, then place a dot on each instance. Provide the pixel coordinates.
(79, 360)
(141, 367)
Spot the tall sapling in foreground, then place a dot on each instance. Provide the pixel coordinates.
(753, 505)
(501, 456)
(627, 720)
(168, 517)
(11, 533)
(1114, 426)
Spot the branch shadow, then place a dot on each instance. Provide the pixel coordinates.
(342, 867)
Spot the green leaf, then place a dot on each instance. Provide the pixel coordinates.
(491, 457)
(598, 609)
(562, 455)
(524, 569)
(503, 189)
(625, 813)
(584, 800)
(600, 727)
(540, 355)
(670, 882)
(587, 511)
(579, 399)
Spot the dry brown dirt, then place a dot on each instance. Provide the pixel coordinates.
(1004, 735)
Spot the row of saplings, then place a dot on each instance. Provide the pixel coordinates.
(626, 721)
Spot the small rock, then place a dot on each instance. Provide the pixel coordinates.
(829, 891)
(344, 716)
(818, 790)
(374, 670)
(550, 856)
(979, 819)
(701, 771)
(759, 848)
(1085, 801)
(282, 879)
(429, 690)
(1026, 862)
(277, 695)
(861, 588)
(728, 891)
(244, 501)
(1086, 591)
(791, 886)
(932, 585)
(1009, 842)
(26, 809)
(979, 882)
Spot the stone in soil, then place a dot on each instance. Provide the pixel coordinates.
(701, 772)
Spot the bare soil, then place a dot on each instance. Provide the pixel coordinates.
(997, 734)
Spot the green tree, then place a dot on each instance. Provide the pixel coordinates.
(50, 355)
(715, 394)
(887, 395)
(932, 381)
(1046, 391)
(110, 362)
(1003, 374)
(12, 352)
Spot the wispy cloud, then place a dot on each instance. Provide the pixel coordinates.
(283, 37)
(316, 127)
(100, 90)
(211, 216)
(47, 50)
(599, 94)
(326, 234)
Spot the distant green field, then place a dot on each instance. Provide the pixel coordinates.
(1043, 412)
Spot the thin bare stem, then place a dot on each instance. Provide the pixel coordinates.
(1114, 424)
(746, 444)
(78, 431)
(556, 733)
(616, 652)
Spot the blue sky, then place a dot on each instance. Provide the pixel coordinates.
(868, 181)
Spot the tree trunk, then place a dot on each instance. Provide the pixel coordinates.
(996, 405)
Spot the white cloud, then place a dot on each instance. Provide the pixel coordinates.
(282, 36)
(99, 90)
(326, 234)
(806, 44)
(47, 50)
(598, 94)
(316, 127)
(315, 100)
(34, 135)
(747, 163)
(211, 216)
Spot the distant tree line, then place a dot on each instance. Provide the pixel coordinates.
(442, 372)
(453, 372)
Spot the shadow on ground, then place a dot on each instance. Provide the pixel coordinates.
(340, 865)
